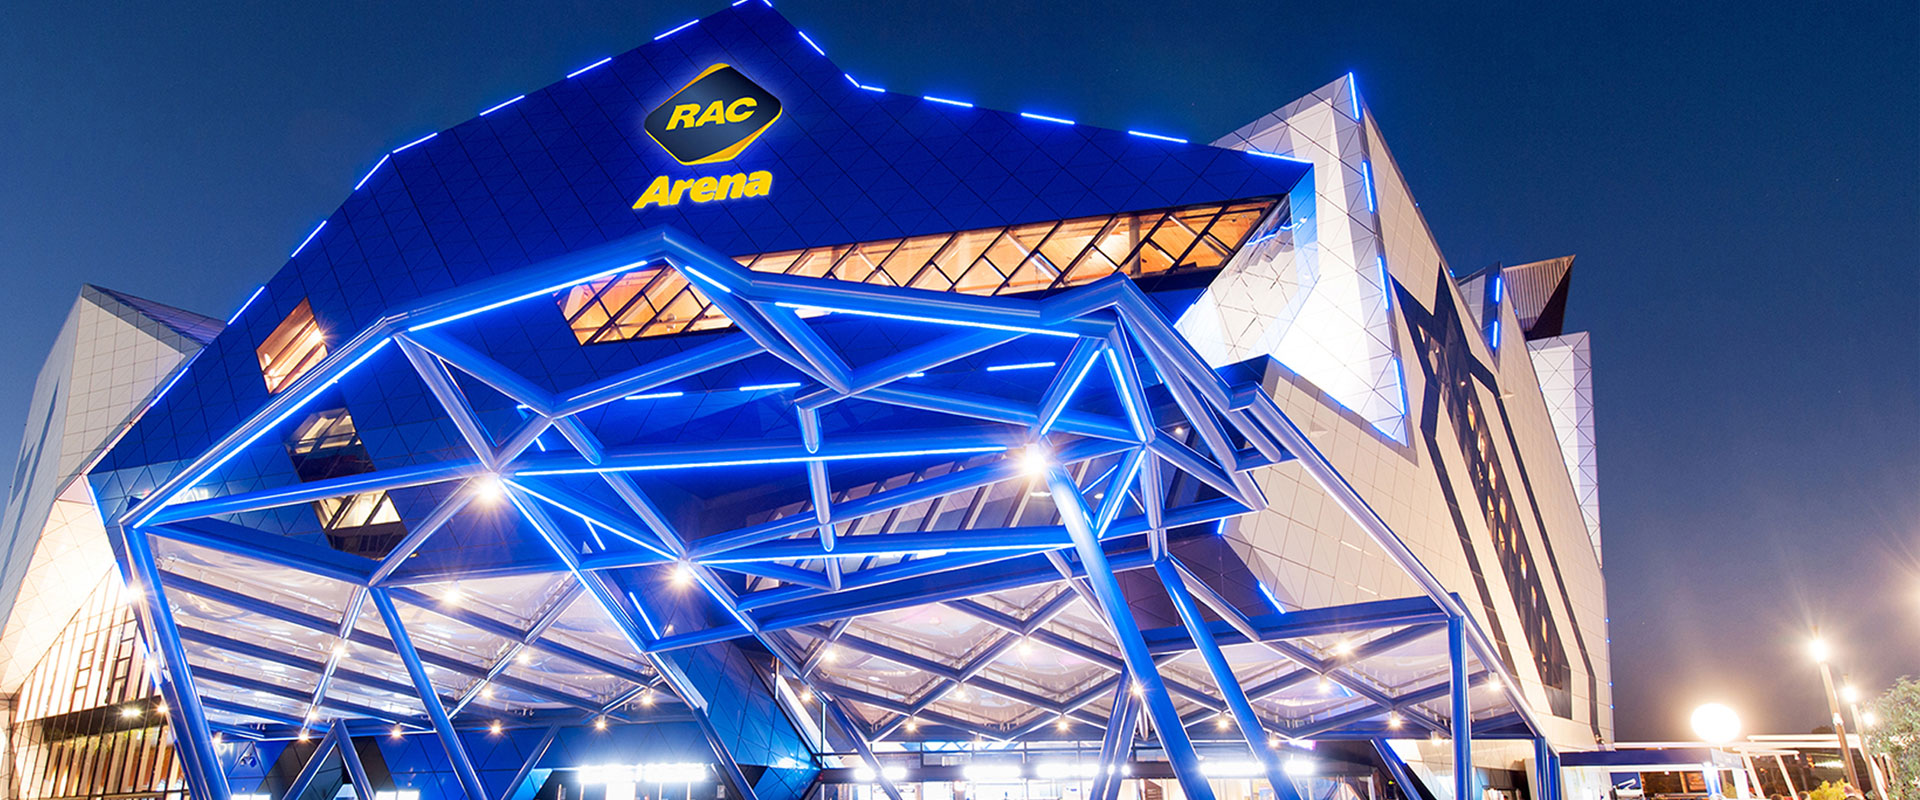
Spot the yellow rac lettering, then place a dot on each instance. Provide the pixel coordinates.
(718, 112)
(667, 192)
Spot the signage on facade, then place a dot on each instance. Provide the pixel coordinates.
(710, 120)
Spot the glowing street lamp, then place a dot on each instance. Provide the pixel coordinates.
(1716, 724)
(1821, 652)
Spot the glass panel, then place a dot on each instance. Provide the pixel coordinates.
(1070, 239)
(911, 259)
(963, 250)
(1177, 232)
(295, 346)
(776, 262)
(987, 261)
(1122, 237)
(982, 278)
(814, 264)
(1233, 226)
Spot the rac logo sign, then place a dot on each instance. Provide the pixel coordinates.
(712, 118)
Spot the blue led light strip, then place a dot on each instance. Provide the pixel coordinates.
(503, 105)
(1264, 154)
(303, 242)
(683, 26)
(960, 103)
(535, 293)
(1366, 173)
(1045, 118)
(1024, 365)
(583, 70)
(810, 43)
(748, 462)
(420, 140)
(250, 298)
(1145, 135)
(376, 168)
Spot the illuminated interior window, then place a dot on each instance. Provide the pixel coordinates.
(326, 445)
(989, 261)
(294, 347)
(1497, 505)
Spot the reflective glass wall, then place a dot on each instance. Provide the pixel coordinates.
(87, 722)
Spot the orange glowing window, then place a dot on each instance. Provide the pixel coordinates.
(294, 347)
(990, 261)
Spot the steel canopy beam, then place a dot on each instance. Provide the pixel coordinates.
(1216, 661)
(429, 697)
(1173, 735)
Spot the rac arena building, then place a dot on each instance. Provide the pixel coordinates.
(711, 425)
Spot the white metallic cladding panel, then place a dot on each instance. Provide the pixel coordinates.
(108, 358)
(1553, 494)
(1314, 556)
(1315, 296)
(1565, 366)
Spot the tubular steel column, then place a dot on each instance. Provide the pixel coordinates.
(1785, 775)
(430, 699)
(1230, 690)
(1546, 768)
(314, 762)
(1133, 647)
(199, 759)
(1117, 744)
(1402, 778)
(1462, 708)
(356, 771)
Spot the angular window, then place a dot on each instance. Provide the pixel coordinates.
(990, 261)
(294, 347)
(1502, 514)
(327, 445)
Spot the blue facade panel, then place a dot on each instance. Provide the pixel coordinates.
(561, 170)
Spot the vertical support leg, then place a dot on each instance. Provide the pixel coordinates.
(533, 760)
(1133, 647)
(1786, 776)
(314, 762)
(200, 760)
(1546, 769)
(356, 771)
(430, 699)
(1553, 758)
(1462, 708)
(1117, 744)
(703, 716)
(1402, 777)
(859, 740)
(1236, 697)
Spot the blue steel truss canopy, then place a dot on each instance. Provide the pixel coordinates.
(938, 514)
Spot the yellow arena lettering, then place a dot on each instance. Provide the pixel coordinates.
(664, 191)
(716, 113)
(683, 116)
(703, 190)
(734, 114)
(759, 183)
(656, 194)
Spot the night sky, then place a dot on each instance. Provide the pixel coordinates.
(1738, 181)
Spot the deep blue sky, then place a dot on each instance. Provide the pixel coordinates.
(1738, 180)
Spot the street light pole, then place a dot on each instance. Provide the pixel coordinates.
(1820, 653)
(1873, 766)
